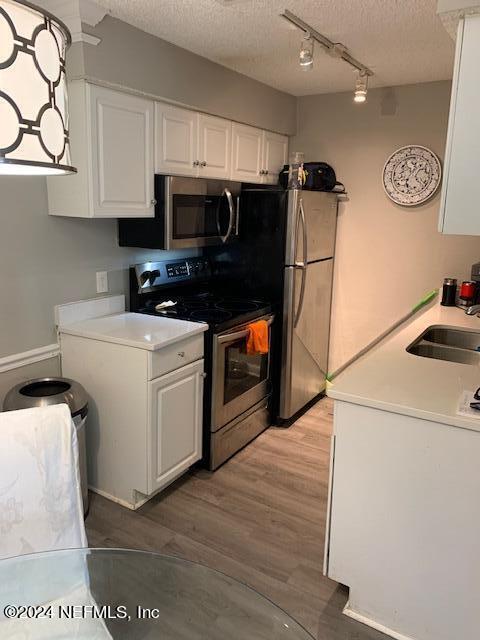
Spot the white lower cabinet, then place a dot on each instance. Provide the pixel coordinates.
(403, 522)
(174, 424)
(144, 426)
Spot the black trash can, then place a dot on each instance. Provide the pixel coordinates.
(46, 391)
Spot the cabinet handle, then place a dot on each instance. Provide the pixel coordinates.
(153, 201)
(203, 375)
(261, 172)
(266, 172)
(203, 164)
(181, 354)
(196, 163)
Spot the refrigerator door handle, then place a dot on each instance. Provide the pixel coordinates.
(302, 294)
(302, 265)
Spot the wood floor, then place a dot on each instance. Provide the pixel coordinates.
(260, 518)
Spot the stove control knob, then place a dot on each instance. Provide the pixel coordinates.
(145, 277)
(153, 275)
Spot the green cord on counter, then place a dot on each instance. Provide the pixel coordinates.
(428, 297)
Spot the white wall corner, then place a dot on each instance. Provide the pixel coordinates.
(451, 11)
(75, 14)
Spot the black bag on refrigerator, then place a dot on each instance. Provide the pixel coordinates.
(319, 176)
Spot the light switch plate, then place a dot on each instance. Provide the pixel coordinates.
(102, 281)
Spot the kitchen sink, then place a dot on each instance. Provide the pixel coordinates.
(445, 343)
(453, 337)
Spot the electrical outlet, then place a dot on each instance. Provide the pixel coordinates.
(102, 281)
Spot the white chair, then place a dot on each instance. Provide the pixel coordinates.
(41, 510)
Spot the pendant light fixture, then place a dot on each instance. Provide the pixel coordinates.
(361, 87)
(34, 138)
(306, 52)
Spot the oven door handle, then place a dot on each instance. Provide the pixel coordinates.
(231, 222)
(229, 337)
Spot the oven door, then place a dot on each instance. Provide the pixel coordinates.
(200, 220)
(239, 380)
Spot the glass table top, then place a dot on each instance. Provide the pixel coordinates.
(103, 594)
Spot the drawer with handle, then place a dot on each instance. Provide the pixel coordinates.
(175, 356)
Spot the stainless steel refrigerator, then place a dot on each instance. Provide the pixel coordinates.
(285, 254)
(309, 252)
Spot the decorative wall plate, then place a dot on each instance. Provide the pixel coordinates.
(411, 175)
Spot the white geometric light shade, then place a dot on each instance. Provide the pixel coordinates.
(34, 136)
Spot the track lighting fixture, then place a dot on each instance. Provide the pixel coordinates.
(306, 52)
(361, 87)
(335, 49)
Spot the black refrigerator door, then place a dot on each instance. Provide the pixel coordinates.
(262, 228)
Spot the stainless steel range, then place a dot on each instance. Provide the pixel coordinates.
(238, 385)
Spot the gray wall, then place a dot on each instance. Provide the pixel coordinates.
(47, 260)
(8, 379)
(387, 256)
(128, 56)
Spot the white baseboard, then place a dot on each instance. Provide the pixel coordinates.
(374, 624)
(17, 360)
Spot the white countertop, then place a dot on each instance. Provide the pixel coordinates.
(136, 330)
(390, 378)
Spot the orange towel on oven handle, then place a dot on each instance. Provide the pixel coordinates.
(257, 341)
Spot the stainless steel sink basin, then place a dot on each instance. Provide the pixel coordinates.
(453, 337)
(444, 343)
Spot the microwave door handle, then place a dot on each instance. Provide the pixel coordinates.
(231, 222)
(238, 335)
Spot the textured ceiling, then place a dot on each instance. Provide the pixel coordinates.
(402, 41)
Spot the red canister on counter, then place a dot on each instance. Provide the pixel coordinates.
(467, 292)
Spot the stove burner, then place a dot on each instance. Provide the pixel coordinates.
(211, 315)
(243, 306)
(192, 305)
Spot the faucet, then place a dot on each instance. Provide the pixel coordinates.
(471, 311)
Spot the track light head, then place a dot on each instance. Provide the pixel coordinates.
(306, 52)
(361, 87)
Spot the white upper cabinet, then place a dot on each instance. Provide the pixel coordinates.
(257, 155)
(112, 148)
(122, 153)
(247, 143)
(461, 186)
(214, 146)
(188, 143)
(275, 150)
(119, 141)
(176, 134)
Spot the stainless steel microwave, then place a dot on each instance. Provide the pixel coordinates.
(189, 212)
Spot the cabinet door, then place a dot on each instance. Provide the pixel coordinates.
(122, 154)
(461, 187)
(175, 424)
(275, 149)
(246, 153)
(214, 146)
(176, 140)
